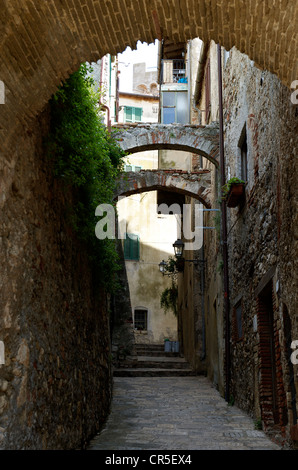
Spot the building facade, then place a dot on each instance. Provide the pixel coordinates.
(147, 236)
(260, 144)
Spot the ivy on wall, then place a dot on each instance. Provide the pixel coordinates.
(87, 159)
(169, 299)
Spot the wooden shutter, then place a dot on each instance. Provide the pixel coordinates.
(128, 113)
(138, 114)
(131, 247)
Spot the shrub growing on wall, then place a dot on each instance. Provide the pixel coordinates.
(169, 299)
(88, 160)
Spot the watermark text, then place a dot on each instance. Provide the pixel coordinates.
(2, 353)
(294, 355)
(106, 226)
(294, 95)
(2, 92)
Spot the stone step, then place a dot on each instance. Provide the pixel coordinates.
(151, 360)
(157, 353)
(154, 350)
(149, 347)
(147, 372)
(160, 362)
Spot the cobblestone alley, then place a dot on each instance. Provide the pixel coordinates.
(175, 413)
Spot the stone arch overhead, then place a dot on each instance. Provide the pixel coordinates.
(203, 140)
(195, 184)
(42, 43)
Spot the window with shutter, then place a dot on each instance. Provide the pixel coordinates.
(132, 114)
(131, 247)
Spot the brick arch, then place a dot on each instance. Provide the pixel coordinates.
(195, 185)
(42, 43)
(203, 140)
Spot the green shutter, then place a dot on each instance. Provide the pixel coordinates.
(133, 114)
(135, 247)
(128, 114)
(131, 247)
(138, 114)
(126, 248)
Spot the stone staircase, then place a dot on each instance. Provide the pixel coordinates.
(152, 361)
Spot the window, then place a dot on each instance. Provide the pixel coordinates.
(132, 114)
(140, 319)
(134, 168)
(175, 107)
(207, 91)
(243, 154)
(132, 247)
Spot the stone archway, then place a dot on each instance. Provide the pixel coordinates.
(44, 42)
(195, 185)
(202, 140)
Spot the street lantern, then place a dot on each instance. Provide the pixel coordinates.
(162, 266)
(178, 248)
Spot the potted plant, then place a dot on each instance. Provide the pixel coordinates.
(233, 191)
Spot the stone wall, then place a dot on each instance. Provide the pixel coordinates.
(55, 385)
(262, 237)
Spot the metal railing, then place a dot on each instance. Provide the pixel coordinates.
(173, 71)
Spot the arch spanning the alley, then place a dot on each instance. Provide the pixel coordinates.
(42, 43)
(195, 185)
(202, 140)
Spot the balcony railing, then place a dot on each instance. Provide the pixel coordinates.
(173, 71)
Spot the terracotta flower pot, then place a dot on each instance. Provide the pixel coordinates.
(235, 194)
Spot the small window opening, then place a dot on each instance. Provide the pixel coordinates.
(243, 155)
(140, 319)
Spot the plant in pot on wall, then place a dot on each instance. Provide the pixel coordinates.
(233, 191)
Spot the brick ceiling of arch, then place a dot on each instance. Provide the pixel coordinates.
(42, 43)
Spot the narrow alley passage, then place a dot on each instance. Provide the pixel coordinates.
(175, 413)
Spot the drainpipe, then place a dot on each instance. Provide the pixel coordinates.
(103, 106)
(224, 231)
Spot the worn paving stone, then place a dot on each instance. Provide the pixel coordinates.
(175, 413)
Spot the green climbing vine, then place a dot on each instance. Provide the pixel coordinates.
(169, 299)
(87, 159)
